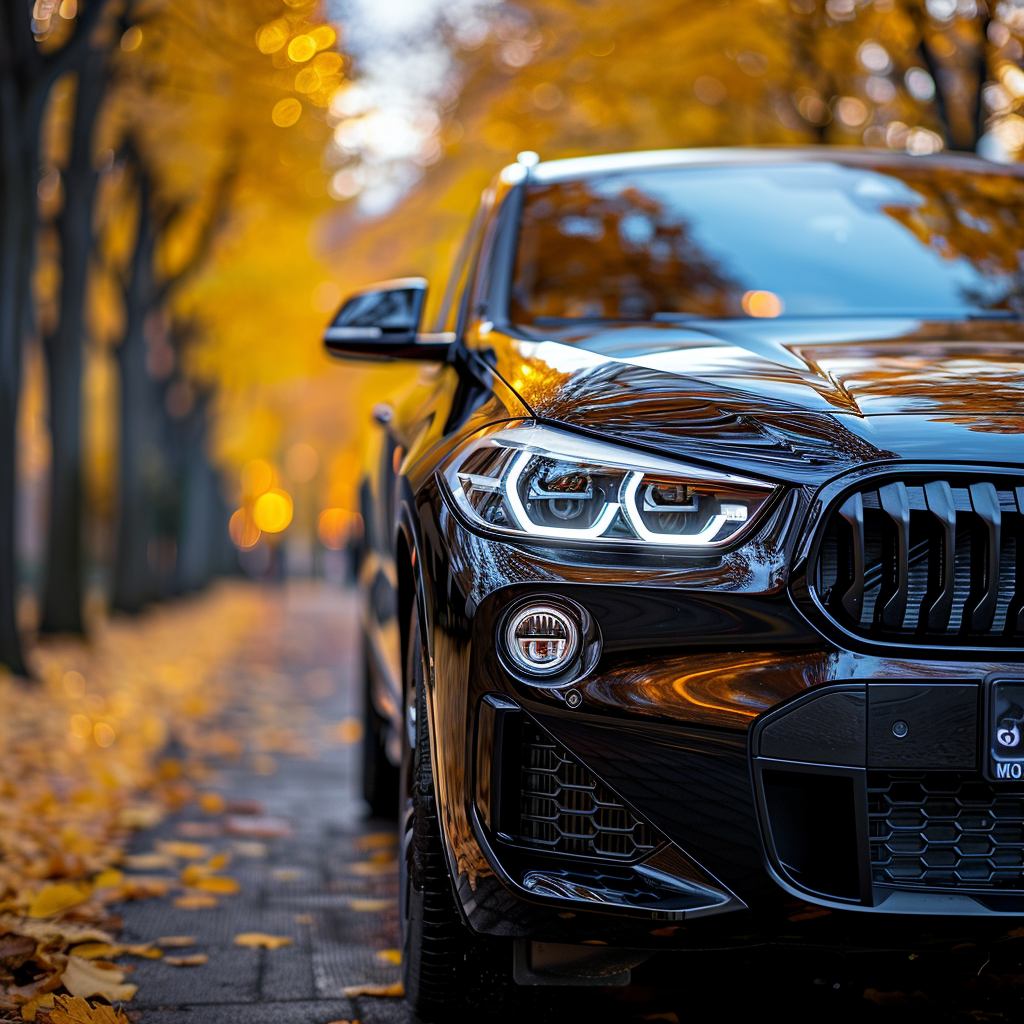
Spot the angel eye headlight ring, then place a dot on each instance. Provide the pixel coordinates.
(540, 483)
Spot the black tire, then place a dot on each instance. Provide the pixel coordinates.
(380, 776)
(437, 947)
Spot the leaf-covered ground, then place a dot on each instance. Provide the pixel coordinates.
(114, 737)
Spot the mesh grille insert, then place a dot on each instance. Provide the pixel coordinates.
(565, 809)
(945, 830)
(927, 561)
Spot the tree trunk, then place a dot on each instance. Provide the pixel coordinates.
(62, 597)
(134, 582)
(12, 217)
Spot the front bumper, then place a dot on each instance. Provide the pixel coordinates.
(691, 658)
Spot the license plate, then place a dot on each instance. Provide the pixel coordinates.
(1004, 742)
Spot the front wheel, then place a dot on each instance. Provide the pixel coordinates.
(437, 948)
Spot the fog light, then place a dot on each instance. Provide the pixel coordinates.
(542, 640)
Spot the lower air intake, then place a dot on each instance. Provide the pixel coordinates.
(565, 809)
(945, 830)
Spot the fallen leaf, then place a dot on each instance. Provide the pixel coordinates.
(149, 861)
(245, 807)
(15, 948)
(370, 906)
(219, 861)
(145, 949)
(286, 874)
(75, 1010)
(141, 887)
(63, 931)
(348, 730)
(258, 827)
(302, 918)
(43, 1001)
(186, 851)
(249, 849)
(192, 960)
(218, 883)
(109, 879)
(87, 979)
(140, 816)
(397, 990)
(212, 803)
(96, 951)
(369, 867)
(52, 899)
(172, 941)
(376, 840)
(258, 940)
(673, 1018)
(195, 901)
(669, 929)
(389, 956)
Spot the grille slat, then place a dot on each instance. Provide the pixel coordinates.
(945, 830)
(565, 809)
(929, 561)
(942, 557)
(891, 609)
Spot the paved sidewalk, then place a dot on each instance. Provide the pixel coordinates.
(312, 885)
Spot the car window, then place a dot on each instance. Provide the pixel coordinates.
(807, 239)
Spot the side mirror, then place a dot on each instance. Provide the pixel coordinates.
(383, 322)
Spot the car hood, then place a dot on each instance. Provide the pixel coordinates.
(805, 395)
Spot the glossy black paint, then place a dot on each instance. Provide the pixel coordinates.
(694, 647)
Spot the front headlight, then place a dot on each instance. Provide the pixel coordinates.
(542, 483)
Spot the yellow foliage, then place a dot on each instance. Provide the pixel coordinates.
(53, 899)
(259, 940)
(89, 978)
(75, 1010)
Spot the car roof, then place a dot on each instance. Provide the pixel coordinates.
(612, 163)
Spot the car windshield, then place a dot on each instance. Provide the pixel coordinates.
(803, 240)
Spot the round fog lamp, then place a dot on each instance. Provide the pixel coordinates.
(542, 640)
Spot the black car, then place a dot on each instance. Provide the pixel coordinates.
(694, 564)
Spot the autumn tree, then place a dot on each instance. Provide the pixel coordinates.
(32, 58)
(64, 339)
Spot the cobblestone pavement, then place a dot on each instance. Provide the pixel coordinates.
(330, 886)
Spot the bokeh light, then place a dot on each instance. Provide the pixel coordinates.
(301, 48)
(244, 532)
(272, 511)
(335, 526)
(272, 36)
(286, 112)
(762, 304)
(132, 39)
